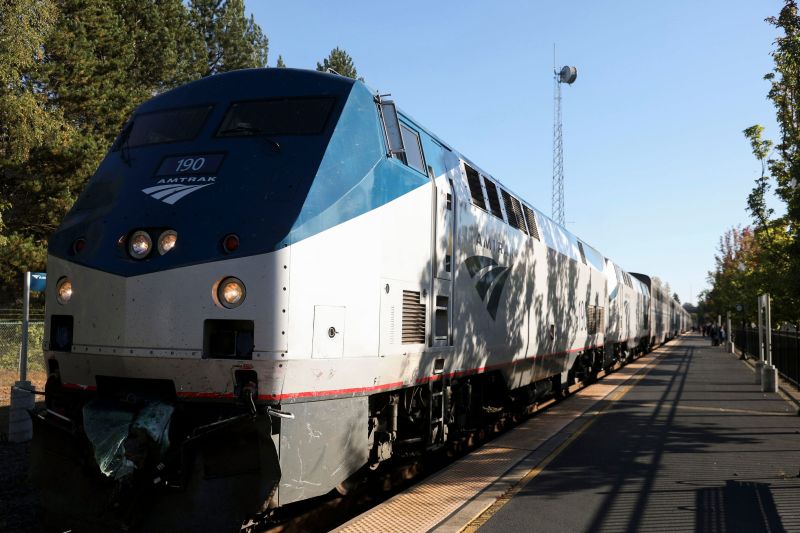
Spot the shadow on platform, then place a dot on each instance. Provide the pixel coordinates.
(738, 506)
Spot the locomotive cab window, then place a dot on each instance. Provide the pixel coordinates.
(413, 156)
(287, 116)
(160, 127)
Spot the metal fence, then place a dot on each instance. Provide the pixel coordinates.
(785, 351)
(11, 339)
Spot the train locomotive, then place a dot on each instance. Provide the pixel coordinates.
(275, 280)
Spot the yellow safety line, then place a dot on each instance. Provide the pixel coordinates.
(616, 395)
(721, 409)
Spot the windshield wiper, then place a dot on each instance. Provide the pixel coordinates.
(241, 128)
(250, 130)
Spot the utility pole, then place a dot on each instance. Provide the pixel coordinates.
(565, 75)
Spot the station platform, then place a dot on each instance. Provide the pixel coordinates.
(679, 440)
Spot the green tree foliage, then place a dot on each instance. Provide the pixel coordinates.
(771, 249)
(29, 126)
(280, 63)
(229, 39)
(340, 62)
(71, 72)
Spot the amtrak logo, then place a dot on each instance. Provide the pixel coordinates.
(173, 189)
(491, 281)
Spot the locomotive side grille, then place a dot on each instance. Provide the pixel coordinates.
(494, 199)
(594, 318)
(413, 319)
(474, 181)
(517, 208)
(513, 211)
(531, 220)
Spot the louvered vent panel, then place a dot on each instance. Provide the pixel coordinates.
(517, 207)
(494, 199)
(531, 220)
(594, 318)
(413, 319)
(512, 216)
(474, 181)
(591, 325)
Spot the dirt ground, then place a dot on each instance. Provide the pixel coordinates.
(7, 379)
(17, 499)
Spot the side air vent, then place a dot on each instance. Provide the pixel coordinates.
(474, 181)
(594, 319)
(531, 220)
(513, 211)
(494, 199)
(413, 319)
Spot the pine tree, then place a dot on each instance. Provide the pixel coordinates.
(28, 126)
(229, 40)
(280, 63)
(71, 72)
(340, 62)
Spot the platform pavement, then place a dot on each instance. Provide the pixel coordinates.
(680, 440)
(694, 446)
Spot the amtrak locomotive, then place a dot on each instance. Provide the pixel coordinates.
(274, 280)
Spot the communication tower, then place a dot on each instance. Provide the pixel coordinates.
(565, 75)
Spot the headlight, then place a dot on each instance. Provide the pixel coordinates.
(166, 241)
(63, 290)
(139, 244)
(231, 292)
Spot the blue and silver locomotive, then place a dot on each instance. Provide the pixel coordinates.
(276, 279)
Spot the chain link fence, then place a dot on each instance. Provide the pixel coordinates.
(785, 350)
(11, 339)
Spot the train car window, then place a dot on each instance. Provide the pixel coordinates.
(441, 322)
(159, 127)
(533, 230)
(494, 199)
(413, 155)
(475, 190)
(583, 254)
(286, 116)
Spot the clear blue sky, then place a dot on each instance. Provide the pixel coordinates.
(656, 165)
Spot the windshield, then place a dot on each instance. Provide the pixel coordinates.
(163, 127)
(288, 116)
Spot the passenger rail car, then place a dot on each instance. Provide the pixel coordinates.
(276, 279)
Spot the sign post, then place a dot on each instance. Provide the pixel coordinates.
(728, 336)
(760, 362)
(769, 374)
(20, 428)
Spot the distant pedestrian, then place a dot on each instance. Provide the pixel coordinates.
(714, 336)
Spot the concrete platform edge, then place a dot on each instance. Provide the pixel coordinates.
(467, 513)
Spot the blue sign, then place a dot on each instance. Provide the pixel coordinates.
(38, 281)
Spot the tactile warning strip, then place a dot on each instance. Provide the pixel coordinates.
(428, 503)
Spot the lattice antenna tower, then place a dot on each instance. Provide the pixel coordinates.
(565, 75)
